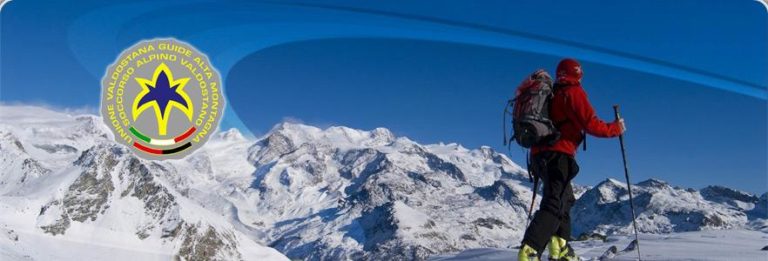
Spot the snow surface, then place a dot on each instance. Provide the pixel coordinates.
(700, 245)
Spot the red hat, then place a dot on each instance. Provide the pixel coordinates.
(569, 71)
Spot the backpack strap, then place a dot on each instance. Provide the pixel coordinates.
(507, 142)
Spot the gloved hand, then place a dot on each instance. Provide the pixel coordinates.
(622, 125)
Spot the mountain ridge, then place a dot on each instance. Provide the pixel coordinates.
(311, 193)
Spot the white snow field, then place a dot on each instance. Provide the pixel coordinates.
(724, 245)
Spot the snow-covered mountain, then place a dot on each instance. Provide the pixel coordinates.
(66, 192)
(310, 193)
(662, 208)
(342, 193)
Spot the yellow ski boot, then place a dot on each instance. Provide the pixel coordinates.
(560, 250)
(527, 253)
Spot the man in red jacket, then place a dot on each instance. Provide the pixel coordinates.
(573, 116)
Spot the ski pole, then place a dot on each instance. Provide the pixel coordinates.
(629, 184)
(533, 200)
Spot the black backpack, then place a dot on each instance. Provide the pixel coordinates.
(530, 112)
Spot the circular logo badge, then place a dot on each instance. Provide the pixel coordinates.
(162, 98)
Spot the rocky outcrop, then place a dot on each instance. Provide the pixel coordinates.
(207, 244)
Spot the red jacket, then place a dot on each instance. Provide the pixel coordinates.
(572, 113)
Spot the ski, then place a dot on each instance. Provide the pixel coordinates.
(631, 247)
(613, 251)
(608, 254)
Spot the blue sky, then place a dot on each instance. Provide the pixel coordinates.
(690, 75)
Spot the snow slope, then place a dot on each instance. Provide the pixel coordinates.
(732, 245)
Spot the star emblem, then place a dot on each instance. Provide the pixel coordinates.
(162, 93)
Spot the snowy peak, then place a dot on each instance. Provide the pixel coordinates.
(611, 183)
(607, 191)
(338, 136)
(295, 131)
(653, 183)
(723, 194)
(231, 135)
(382, 134)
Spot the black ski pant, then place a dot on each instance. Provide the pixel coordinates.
(556, 170)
